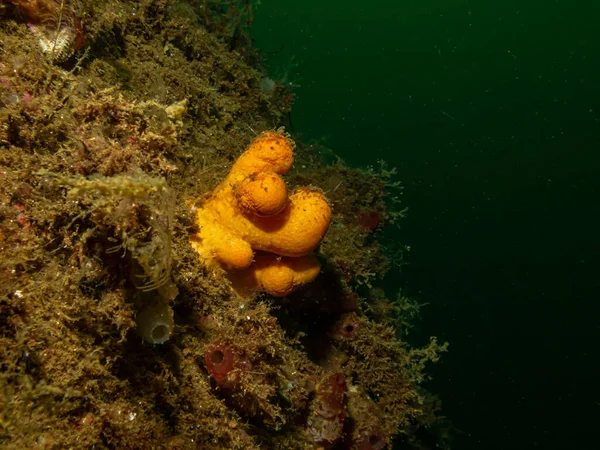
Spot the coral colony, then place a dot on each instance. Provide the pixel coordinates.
(251, 211)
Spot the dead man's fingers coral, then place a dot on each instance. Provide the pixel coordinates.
(251, 210)
(276, 275)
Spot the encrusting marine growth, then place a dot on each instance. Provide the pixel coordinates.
(251, 211)
(55, 24)
(155, 322)
(114, 239)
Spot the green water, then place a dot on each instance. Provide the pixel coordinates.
(491, 113)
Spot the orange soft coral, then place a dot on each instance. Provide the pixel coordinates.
(277, 275)
(251, 210)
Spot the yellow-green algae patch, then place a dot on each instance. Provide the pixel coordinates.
(103, 156)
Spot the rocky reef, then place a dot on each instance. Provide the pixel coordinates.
(125, 321)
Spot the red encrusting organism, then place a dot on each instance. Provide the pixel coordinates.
(220, 360)
(328, 412)
(21, 217)
(346, 327)
(369, 220)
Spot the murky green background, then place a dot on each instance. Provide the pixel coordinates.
(491, 113)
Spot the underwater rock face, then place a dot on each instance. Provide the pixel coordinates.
(106, 163)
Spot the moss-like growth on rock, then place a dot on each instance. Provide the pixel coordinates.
(104, 154)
